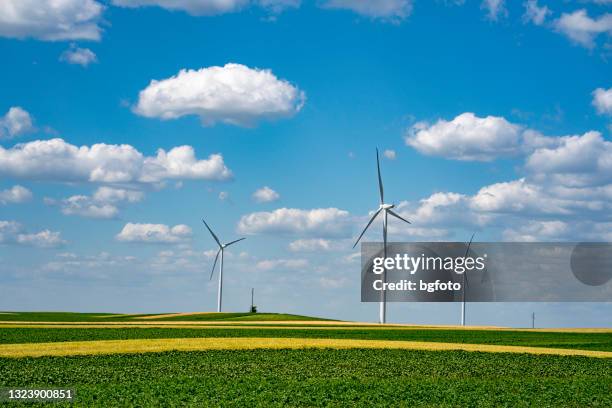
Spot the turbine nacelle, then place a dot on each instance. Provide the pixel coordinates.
(386, 208)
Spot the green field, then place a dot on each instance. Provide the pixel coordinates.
(321, 378)
(584, 341)
(305, 377)
(109, 317)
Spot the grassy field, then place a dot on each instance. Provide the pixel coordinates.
(584, 341)
(241, 359)
(321, 378)
(109, 317)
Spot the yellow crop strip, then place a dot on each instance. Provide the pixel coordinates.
(252, 343)
(281, 324)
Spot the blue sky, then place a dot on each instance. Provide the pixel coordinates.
(495, 117)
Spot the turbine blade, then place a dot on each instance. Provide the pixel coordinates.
(466, 254)
(398, 216)
(211, 233)
(215, 264)
(233, 242)
(366, 227)
(380, 183)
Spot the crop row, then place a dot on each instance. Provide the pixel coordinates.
(586, 341)
(320, 378)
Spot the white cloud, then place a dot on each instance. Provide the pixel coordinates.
(582, 29)
(104, 203)
(12, 232)
(115, 195)
(84, 206)
(15, 122)
(193, 7)
(577, 161)
(57, 160)
(265, 195)
(516, 196)
(494, 8)
(333, 283)
(210, 7)
(154, 233)
(534, 13)
(535, 231)
(467, 137)
(16, 194)
(602, 101)
(565, 193)
(390, 10)
(42, 239)
(233, 94)
(317, 222)
(390, 154)
(79, 56)
(313, 245)
(50, 20)
(271, 264)
(102, 265)
(434, 210)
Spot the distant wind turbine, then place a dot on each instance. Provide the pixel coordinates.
(464, 285)
(386, 210)
(220, 251)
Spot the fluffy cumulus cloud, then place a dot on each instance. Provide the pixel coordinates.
(13, 233)
(233, 94)
(577, 161)
(313, 245)
(15, 122)
(104, 203)
(78, 56)
(210, 7)
(391, 10)
(85, 206)
(57, 160)
(517, 196)
(566, 194)
(193, 7)
(51, 20)
(602, 101)
(534, 231)
(535, 13)
(494, 8)
(317, 222)
(14, 195)
(582, 29)
(154, 233)
(265, 195)
(467, 137)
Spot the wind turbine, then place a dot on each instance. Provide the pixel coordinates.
(464, 285)
(385, 209)
(220, 251)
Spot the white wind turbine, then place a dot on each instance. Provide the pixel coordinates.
(386, 209)
(464, 285)
(220, 251)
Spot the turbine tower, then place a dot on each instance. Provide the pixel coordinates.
(464, 285)
(385, 209)
(220, 251)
